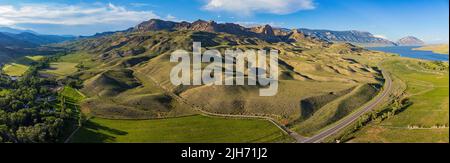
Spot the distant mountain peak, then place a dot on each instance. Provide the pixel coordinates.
(264, 29)
(297, 35)
(410, 41)
(202, 25)
(154, 24)
(15, 31)
(361, 38)
(265, 32)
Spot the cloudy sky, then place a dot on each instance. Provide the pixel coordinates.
(392, 19)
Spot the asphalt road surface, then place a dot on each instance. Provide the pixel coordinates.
(353, 117)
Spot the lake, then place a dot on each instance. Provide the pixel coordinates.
(406, 51)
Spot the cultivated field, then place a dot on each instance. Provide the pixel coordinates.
(61, 68)
(20, 65)
(35, 58)
(4, 92)
(185, 129)
(72, 94)
(15, 69)
(79, 58)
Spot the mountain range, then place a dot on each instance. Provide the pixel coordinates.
(272, 34)
(15, 43)
(15, 31)
(360, 38)
(28, 38)
(265, 32)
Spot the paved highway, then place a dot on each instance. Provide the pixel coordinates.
(353, 117)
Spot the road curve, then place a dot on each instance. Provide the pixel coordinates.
(353, 117)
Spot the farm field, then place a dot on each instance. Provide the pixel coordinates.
(61, 68)
(426, 120)
(19, 66)
(35, 58)
(4, 92)
(72, 94)
(15, 69)
(79, 58)
(182, 130)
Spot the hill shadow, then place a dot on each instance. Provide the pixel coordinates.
(93, 132)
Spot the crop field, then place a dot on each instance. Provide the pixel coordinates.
(35, 58)
(72, 94)
(426, 120)
(15, 69)
(61, 68)
(185, 129)
(20, 65)
(79, 58)
(4, 92)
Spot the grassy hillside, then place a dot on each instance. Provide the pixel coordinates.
(192, 129)
(426, 120)
(336, 109)
(72, 94)
(126, 76)
(440, 49)
(110, 83)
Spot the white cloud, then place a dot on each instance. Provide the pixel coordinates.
(171, 17)
(249, 7)
(255, 24)
(380, 36)
(61, 14)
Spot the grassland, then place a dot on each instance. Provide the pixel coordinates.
(14, 69)
(4, 92)
(61, 68)
(72, 94)
(182, 130)
(79, 58)
(426, 120)
(71, 98)
(19, 66)
(440, 49)
(335, 110)
(35, 58)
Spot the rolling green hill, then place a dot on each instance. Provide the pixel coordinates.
(126, 79)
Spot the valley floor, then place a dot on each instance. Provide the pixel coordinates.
(426, 120)
(199, 129)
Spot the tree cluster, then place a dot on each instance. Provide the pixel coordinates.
(31, 112)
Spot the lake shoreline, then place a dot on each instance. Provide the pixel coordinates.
(436, 48)
(409, 52)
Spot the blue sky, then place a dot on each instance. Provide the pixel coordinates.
(393, 19)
